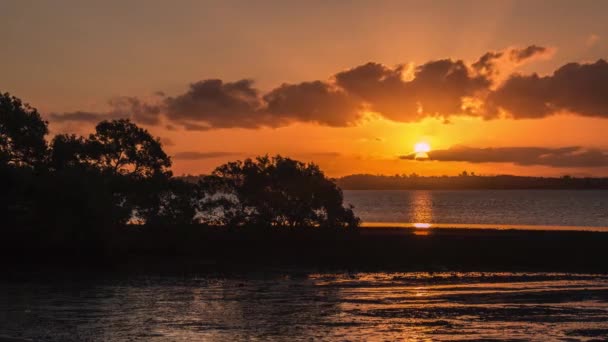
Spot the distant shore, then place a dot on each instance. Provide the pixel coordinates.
(198, 249)
(469, 181)
(524, 227)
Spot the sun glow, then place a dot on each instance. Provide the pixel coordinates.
(421, 149)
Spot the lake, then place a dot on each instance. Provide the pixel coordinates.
(306, 306)
(546, 209)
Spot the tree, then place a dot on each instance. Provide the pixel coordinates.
(127, 169)
(22, 133)
(275, 191)
(68, 151)
(165, 202)
(121, 147)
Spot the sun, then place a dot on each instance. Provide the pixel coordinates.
(421, 149)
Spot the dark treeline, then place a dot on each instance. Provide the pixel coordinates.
(109, 199)
(466, 181)
(75, 190)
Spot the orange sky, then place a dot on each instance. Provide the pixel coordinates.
(68, 56)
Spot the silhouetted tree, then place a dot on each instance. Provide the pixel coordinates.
(69, 151)
(121, 147)
(125, 165)
(132, 171)
(167, 202)
(76, 194)
(22, 132)
(274, 191)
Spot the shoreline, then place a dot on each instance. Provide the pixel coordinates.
(195, 249)
(473, 226)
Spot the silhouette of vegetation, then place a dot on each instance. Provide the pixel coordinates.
(466, 180)
(77, 191)
(277, 191)
(122, 148)
(111, 198)
(22, 133)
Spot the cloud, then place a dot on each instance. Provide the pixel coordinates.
(520, 55)
(494, 64)
(441, 89)
(437, 89)
(316, 101)
(572, 156)
(123, 107)
(139, 111)
(192, 155)
(214, 103)
(574, 88)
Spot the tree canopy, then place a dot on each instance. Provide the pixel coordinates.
(121, 147)
(276, 191)
(22, 133)
(120, 174)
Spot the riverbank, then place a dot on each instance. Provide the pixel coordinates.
(199, 249)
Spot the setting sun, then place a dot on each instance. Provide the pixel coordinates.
(422, 147)
(421, 150)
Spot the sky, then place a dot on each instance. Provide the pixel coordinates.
(501, 87)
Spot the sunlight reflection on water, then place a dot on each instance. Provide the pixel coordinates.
(299, 306)
(510, 209)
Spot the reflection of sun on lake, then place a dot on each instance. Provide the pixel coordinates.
(421, 207)
(422, 229)
(422, 212)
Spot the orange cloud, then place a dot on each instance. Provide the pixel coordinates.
(440, 89)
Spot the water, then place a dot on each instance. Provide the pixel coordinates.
(291, 306)
(287, 307)
(483, 208)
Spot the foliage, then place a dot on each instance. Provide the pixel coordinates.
(76, 188)
(68, 151)
(22, 133)
(278, 192)
(162, 202)
(121, 147)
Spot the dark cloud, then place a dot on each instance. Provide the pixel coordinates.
(216, 104)
(137, 110)
(491, 63)
(581, 89)
(124, 107)
(437, 89)
(486, 64)
(572, 156)
(381, 87)
(191, 155)
(315, 101)
(519, 55)
(441, 89)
